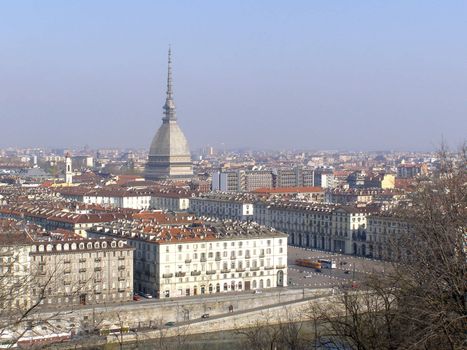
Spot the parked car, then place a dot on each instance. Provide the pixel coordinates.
(136, 297)
(170, 324)
(347, 272)
(258, 291)
(145, 295)
(205, 316)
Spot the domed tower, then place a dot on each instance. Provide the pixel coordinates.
(169, 155)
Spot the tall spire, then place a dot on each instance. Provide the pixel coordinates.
(169, 106)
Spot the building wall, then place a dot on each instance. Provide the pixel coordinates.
(222, 209)
(82, 272)
(170, 203)
(15, 279)
(188, 268)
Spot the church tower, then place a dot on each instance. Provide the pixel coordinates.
(169, 154)
(68, 169)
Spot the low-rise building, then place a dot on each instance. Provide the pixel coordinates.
(116, 197)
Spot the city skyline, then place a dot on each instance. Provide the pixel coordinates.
(301, 76)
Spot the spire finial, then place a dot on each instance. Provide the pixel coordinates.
(169, 107)
(169, 75)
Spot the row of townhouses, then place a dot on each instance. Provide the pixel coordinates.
(347, 229)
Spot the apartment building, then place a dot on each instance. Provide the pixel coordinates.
(52, 218)
(241, 180)
(60, 268)
(115, 197)
(82, 271)
(381, 234)
(202, 257)
(224, 205)
(294, 177)
(171, 199)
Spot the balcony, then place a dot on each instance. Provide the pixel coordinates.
(121, 258)
(67, 261)
(211, 272)
(269, 267)
(121, 267)
(97, 259)
(254, 268)
(97, 292)
(121, 290)
(82, 270)
(67, 271)
(261, 255)
(167, 275)
(97, 280)
(233, 257)
(97, 269)
(218, 258)
(82, 260)
(180, 274)
(240, 270)
(247, 257)
(66, 283)
(195, 273)
(121, 278)
(280, 266)
(225, 270)
(187, 261)
(203, 259)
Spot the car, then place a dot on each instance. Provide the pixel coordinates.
(258, 291)
(136, 297)
(170, 324)
(205, 316)
(145, 295)
(347, 272)
(317, 270)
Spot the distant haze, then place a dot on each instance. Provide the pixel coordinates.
(263, 74)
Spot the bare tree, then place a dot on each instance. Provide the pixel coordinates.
(421, 303)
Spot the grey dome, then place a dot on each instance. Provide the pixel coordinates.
(169, 141)
(169, 154)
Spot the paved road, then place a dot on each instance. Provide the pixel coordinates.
(356, 267)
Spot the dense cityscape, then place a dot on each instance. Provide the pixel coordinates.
(87, 228)
(172, 246)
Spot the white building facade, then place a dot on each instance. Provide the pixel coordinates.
(214, 258)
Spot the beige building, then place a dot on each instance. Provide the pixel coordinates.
(15, 278)
(81, 272)
(383, 229)
(60, 268)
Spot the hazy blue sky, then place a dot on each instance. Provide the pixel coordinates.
(311, 74)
